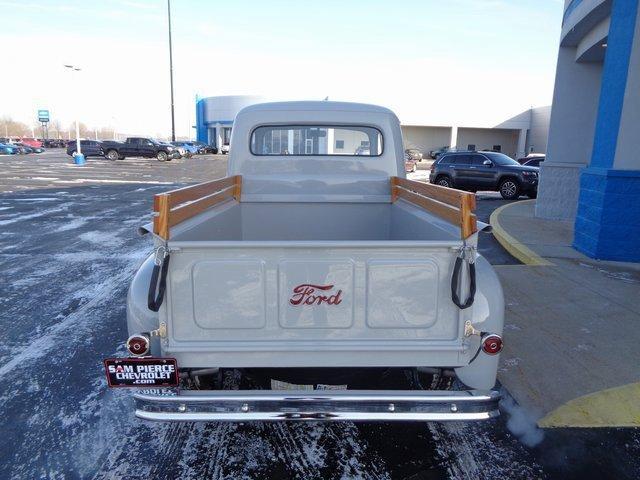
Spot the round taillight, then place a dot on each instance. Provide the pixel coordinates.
(492, 344)
(138, 345)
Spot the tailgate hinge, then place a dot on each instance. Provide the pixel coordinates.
(161, 331)
(470, 330)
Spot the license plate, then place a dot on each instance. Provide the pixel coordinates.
(279, 385)
(141, 372)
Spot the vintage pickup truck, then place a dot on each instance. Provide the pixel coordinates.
(315, 272)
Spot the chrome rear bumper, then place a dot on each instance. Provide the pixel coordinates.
(324, 405)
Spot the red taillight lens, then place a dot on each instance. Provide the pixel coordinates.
(492, 344)
(138, 345)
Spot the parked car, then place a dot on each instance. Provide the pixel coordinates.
(31, 142)
(25, 148)
(140, 147)
(224, 149)
(316, 276)
(188, 148)
(531, 156)
(19, 149)
(193, 148)
(205, 148)
(410, 165)
(8, 149)
(89, 148)
(414, 154)
(484, 170)
(54, 143)
(363, 150)
(434, 154)
(30, 148)
(534, 162)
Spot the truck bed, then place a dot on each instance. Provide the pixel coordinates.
(340, 222)
(236, 268)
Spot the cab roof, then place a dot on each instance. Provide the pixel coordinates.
(317, 106)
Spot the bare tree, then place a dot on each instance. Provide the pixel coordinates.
(13, 128)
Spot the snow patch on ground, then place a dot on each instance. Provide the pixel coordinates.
(30, 216)
(106, 239)
(73, 224)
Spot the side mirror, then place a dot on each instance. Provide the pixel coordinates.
(488, 163)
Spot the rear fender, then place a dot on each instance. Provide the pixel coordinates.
(488, 316)
(139, 318)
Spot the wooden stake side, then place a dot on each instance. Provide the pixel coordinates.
(448, 212)
(171, 208)
(443, 194)
(237, 191)
(394, 189)
(161, 220)
(469, 224)
(188, 210)
(194, 192)
(450, 204)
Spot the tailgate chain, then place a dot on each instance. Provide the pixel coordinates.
(160, 268)
(464, 253)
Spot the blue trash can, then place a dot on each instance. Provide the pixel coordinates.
(79, 159)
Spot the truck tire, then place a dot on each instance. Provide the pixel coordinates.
(162, 156)
(112, 155)
(509, 188)
(444, 181)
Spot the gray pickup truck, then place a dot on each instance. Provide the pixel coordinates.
(140, 147)
(318, 278)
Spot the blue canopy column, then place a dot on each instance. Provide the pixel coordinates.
(607, 223)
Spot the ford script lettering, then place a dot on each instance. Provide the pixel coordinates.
(308, 294)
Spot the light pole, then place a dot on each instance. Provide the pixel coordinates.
(173, 122)
(79, 158)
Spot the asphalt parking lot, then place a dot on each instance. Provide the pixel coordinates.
(68, 249)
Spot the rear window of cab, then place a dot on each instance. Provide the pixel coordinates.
(315, 140)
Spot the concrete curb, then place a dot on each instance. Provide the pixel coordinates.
(510, 244)
(613, 407)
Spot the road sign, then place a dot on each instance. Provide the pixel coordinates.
(43, 116)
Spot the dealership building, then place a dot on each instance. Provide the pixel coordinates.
(523, 133)
(591, 176)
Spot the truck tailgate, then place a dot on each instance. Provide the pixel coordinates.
(312, 304)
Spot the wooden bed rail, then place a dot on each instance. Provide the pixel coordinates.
(452, 205)
(171, 208)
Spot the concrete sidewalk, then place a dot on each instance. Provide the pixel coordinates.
(572, 327)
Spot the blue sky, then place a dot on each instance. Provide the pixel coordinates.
(435, 61)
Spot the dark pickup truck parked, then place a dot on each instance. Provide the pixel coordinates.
(140, 147)
(475, 171)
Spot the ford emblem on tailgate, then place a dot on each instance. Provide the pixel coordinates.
(305, 294)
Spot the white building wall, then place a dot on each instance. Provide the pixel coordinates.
(571, 132)
(352, 140)
(539, 130)
(426, 139)
(485, 139)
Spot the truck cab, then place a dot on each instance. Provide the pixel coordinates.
(310, 274)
